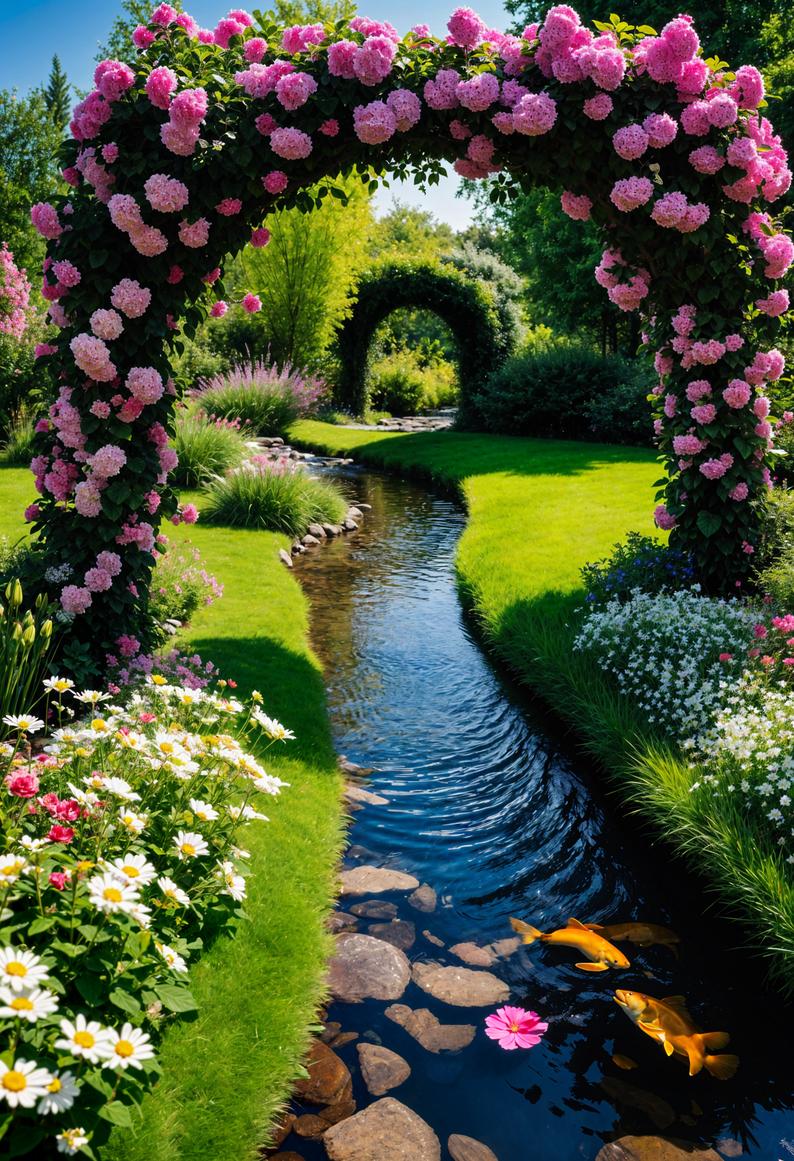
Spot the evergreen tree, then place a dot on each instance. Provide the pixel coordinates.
(57, 95)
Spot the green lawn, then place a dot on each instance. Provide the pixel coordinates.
(538, 510)
(227, 1073)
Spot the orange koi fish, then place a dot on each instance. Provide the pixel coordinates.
(643, 934)
(669, 1022)
(601, 954)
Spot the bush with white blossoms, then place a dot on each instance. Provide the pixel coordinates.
(670, 652)
(119, 863)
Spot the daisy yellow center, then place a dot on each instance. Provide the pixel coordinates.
(98, 724)
(55, 1086)
(61, 686)
(158, 680)
(131, 872)
(11, 869)
(167, 747)
(124, 1048)
(24, 723)
(21, 1004)
(112, 894)
(14, 1081)
(84, 865)
(84, 1039)
(15, 968)
(188, 849)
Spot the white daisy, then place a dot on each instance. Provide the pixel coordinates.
(246, 813)
(21, 970)
(71, 1141)
(22, 1083)
(234, 884)
(27, 1005)
(190, 845)
(274, 729)
(109, 894)
(24, 723)
(135, 823)
(58, 684)
(119, 789)
(62, 1092)
(11, 867)
(171, 891)
(142, 915)
(92, 696)
(33, 844)
(133, 869)
(203, 810)
(82, 1038)
(171, 957)
(127, 1048)
(268, 784)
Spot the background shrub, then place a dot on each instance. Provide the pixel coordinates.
(570, 393)
(403, 383)
(17, 448)
(264, 397)
(206, 447)
(180, 584)
(273, 498)
(775, 558)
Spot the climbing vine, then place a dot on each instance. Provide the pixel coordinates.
(176, 159)
(466, 305)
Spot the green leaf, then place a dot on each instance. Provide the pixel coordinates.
(43, 923)
(125, 1001)
(708, 523)
(117, 1113)
(176, 999)
(97, 259)
(90, 987)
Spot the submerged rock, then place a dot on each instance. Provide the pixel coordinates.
(385, 1131)
(341, 921)
(381, 1068)
(374, 909)
(365, 968)
(424, 898)
(468, 1149)
(328, 1077)
(660, 1111)
(354, 793)
(654, 1149)
(428, 1030)
(400, 933)
(461, 987)
(375, 881)
(473, 954)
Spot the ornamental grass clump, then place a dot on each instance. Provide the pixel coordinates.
(264, 397)
(273, 497)
(207, 446)
(119, 860)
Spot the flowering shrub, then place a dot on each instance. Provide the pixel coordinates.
(14, 295)
(180, 585)
(260, 395)
(641, 564)
(119, 861)
(175, 162)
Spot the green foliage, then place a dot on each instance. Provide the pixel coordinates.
(25, 381)
(466, 306)
(26, 648)
(779, 74)
(180, 586)
(506, 284)
(273, 499)
(402, 384)
(118, 45)
(569, 392)
(205, 447)
(57, 95)
(263, 397)
(17, 450)
(408, 232)
(305, 276)
(775, 557)
(29, 139)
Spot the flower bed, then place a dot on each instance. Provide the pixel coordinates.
(120, 865)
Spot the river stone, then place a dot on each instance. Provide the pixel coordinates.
(660, 1111)
(374, 909)
(654, 1149)
(331, 1029)
(431, 938)
(332, 529)
(423, 898)
(349, 525)
(400, 933)
(428, 1030)
(473, 954)
(460, 987)
(385, 1131)
(355, 793)
(310, 541)
(316, 530)
(355, 513)
(344, 1038)
(310, 1126)
(730, 1147)
(286, 1157)
(369, 880)
(504, 948)
(364, 968)
(285, 557)
(328, 1076)
(381, 1068)
(467, 1149)
(280, 1132)
(341, 921)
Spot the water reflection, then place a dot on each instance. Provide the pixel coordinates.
(490, 809)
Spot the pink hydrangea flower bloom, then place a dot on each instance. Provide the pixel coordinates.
(291, 144)
(630, 142)
(219, 309)
(515, 1028)
(160, 84)
(194, 234)
(737, 394)
(252, 303)
(598, 108)
(535, 114)
(229, 207)
(166, 194)
(374, 123)
(465, 28)
(631, 192)
(260, 237)
(663, 518)
(106, 324)
(131, 298)
(576, 206)
(275, 182)
(75, 600)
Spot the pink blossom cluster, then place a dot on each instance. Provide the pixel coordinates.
(45, 220)
(131, 298)
(92, 357)
(196, 234)
(186, 114)
(441, 92)
(291, 144)
(626, 294)
(113, 78)
(534, 114)
(166, 194)
(465, 28)
(106, 324)
(299, 37)
(576, 206)
(145, 384)
(715, 469)
(14, 295)
(374, 123)
(569, 52)
(672, 57)
(479, 92)
(675, 211)
(89, 116)
(406, 108)
(294, 89)
(764, 160)
(125, 213)
(631, 192)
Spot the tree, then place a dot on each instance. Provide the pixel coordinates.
(306, 275)
(730, 28)
(779, 74)
(407, 232)
(57, 95)
(29, 140)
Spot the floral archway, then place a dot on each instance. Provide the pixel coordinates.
(177, 158)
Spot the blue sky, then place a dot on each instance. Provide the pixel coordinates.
(32, 30)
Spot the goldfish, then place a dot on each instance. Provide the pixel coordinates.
(643, 934)
(602, 954)
(669, 1022)
(624, 1062)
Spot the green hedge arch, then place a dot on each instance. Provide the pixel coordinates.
(466, 305)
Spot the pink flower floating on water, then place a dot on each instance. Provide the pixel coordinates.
(515, 1028)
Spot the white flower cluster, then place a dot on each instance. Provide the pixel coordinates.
(118, 839)
(664, 650)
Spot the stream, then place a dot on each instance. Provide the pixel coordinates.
(493, 808)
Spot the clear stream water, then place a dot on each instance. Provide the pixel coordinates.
(495, 811)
